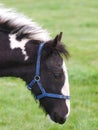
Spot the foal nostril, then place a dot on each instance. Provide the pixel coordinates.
(59, 119)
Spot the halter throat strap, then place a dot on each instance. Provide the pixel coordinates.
(37, 80)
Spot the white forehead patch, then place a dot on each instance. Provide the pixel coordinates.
(18, 44)
(65, 89)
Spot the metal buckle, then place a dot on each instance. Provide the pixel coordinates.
(37, 78)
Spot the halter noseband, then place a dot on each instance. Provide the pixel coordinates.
(37, 80)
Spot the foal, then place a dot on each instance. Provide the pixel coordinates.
(28, 52)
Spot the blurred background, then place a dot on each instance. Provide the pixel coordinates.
(78, 20)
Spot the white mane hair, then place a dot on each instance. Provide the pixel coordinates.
(25, 24)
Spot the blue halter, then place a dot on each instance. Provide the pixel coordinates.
(37, 80)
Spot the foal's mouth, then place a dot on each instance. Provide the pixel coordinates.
(57, 119)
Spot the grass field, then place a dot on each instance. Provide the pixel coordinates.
(78, 20)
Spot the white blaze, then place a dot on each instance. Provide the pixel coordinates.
(65, 90)
(18, 44)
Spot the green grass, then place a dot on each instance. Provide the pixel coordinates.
(79, 23)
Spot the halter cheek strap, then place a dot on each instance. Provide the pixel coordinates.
(37, 80)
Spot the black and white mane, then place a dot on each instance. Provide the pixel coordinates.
(14, 22)
(20, 39)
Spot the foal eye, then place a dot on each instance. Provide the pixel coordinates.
(58, 75)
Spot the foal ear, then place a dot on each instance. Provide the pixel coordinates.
(57, 39)
(52, 44)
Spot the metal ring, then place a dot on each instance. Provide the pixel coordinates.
(37, 78)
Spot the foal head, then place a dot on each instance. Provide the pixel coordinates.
(54, 79)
